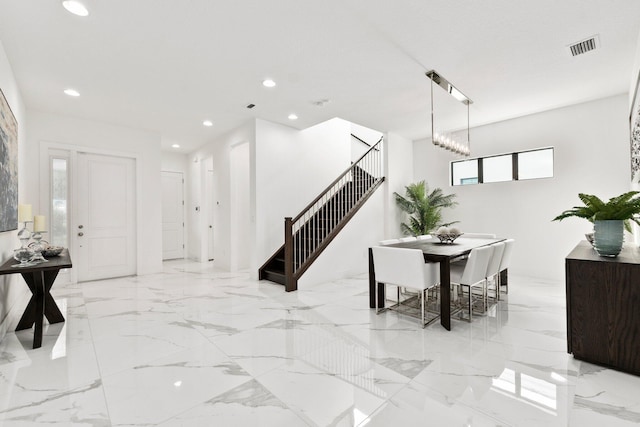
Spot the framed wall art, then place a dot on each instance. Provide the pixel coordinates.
(8, 167)
(634, 127)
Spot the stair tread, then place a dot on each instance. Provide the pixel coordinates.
(275, 272)
(274, 277)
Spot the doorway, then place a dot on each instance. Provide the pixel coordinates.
(172, 215)
(105, 217)
(211, 207)
(89, 200)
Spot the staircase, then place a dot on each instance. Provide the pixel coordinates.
(311, 231)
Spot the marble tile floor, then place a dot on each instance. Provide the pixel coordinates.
(194, 346)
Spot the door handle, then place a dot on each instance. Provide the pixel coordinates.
(81, 234)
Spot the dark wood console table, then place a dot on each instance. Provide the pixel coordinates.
(603, 307)
(39, 278)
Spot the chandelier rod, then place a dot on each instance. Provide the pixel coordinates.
(468, 132)
(432, 127)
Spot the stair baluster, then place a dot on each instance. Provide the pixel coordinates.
(309, 233)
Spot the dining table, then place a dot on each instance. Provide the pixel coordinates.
(434, 251)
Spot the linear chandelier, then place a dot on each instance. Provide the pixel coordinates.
(446, 141)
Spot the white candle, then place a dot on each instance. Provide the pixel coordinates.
(39, 223)
(24, 213)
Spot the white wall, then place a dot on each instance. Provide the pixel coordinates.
(591, 143)
(370, 136)
(12, 287)
(91, 136)
(347, 254)
(240, 206)
(292, 168)
(219, 151)
(399, 166)
(285, 168)
(379, 218)
(174, 162)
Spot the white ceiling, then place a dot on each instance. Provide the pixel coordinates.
(166, 65)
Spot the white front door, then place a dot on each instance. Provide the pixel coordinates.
(172, 215)
(105, 220)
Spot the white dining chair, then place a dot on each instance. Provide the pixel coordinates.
(388, 242)
(479, 235)
(405, 268)
(493, 269)
(504, 264)
(404, 290)
(475, 236)
(473, 275)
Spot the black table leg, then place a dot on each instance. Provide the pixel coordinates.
(51, 310)
(380, 291)
(27, 319)
(445, 294)
(372, 281)
(39, 309)
(382, 296)
(28, 316)
(40, 305)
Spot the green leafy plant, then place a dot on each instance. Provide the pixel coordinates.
(625, 207)
(424, 208)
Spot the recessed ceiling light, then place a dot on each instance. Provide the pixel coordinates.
(175, 146)
(75, 7)
(293, 117)
(207, 123)
(268, 83)
(72, 92)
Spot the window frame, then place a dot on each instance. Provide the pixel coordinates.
(553, 164)
(514, 166)
(491, 157)
(478, 172)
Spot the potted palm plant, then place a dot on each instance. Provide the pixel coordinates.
(609, 219)
(424, 208)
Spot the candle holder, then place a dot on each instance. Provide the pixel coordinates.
(24, 254)
(24, 233)
(37, 246)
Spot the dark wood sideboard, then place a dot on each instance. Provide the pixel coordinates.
(603, 307)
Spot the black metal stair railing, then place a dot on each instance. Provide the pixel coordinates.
(308, 234)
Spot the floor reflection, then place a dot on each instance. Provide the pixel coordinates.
(196, 346)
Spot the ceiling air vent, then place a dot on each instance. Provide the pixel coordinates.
(584, 46)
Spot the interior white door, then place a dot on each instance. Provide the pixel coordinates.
(172, 215)
(210, 213)
(105, 225)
